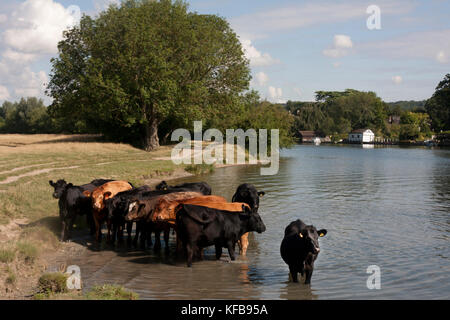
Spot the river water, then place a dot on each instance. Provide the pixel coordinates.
(388, 207)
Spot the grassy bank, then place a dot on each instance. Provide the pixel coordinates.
(29, 222)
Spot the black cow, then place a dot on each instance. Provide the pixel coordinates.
(117, 207)
(300, 248)
(201, 227)
(72, 203)
(248, 194)
(201, 187)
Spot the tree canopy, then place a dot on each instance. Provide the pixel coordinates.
(438, 106)
(144, 64)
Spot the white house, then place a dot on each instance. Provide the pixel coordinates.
(362, 136)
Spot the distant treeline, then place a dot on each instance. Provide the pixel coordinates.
(337, 113)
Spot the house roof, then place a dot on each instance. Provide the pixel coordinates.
(360, 130)
(308, 133)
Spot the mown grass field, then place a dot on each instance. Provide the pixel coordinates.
(27, 163)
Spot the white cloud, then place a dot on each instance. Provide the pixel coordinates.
(18, 56)
(261, 78)
(342, 41)
(33, 31)
(431, 45)
(257, 59)
(3, 18)
(397, 79)
(4, 93)
(340, 48)
(37, 26)
(302, 15)
(101, 5)
(441, 57)
(336, 64)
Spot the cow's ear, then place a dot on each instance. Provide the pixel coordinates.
(107, 195)
(261, 193)
(322, 233)
(69, 185)
(87, 193)
(51, 183)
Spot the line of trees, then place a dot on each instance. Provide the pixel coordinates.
(336, 113)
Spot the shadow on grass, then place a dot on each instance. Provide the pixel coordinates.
(85, 138)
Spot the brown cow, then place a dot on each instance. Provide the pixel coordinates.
(98, 196)
(165, 212)
(142, 211)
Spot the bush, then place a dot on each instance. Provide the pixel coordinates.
(111, 292)
(50, 283)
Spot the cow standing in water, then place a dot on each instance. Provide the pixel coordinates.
(248, 194)
(72, 203)
(99, 196)
(300, 248)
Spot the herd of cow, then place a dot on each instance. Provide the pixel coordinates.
(198, 218)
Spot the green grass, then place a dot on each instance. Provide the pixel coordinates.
(110, 292)
(11, 278)
(7, 255)
(28, 251)
(198, 169)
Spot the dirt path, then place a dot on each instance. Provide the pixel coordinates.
(33, 173)
(27, 167)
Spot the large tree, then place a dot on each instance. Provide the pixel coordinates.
(144, 63)
(438, 106)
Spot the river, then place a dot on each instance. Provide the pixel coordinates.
(387, 206)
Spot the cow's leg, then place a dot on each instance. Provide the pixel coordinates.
(129, 230)
(138, 231)
(144, 235)
(149, 234)
(309, 268)
(231, 250)
(218, 251)
(179, 243)
(69, 227)
(293, 271)
(109, 224)
(120, 232)
(157, 238)
(90, 222)
(63, 231)
(243, 244)
(190, 249)
(166, 237)
(98, 231)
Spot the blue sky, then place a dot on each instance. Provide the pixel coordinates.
(295, 47)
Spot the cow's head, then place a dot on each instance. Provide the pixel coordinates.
(310, 236)
(116, 207)
(162, 186)
(98, 198)
(59, 188)
(248, 194)
(253, 220)
(135, 210)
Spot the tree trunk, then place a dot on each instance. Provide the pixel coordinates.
(151, 140)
